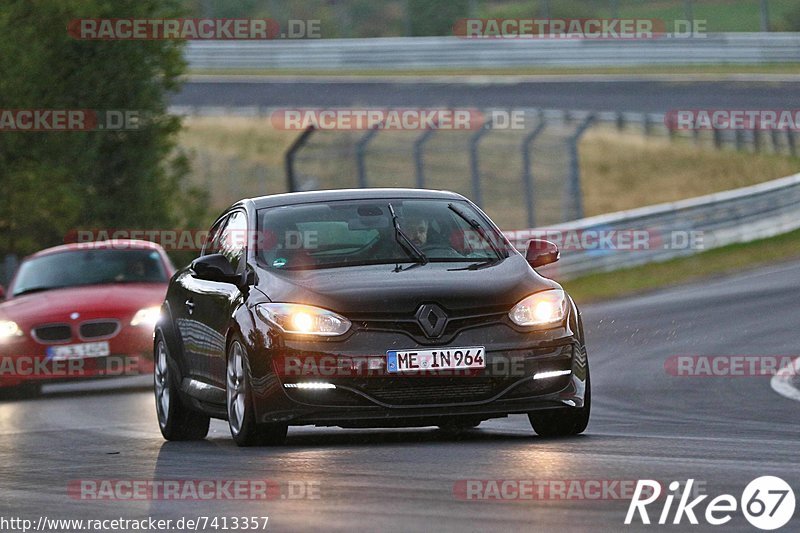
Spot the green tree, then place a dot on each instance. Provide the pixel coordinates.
(52, 182)
(436, 17)
(790, 21)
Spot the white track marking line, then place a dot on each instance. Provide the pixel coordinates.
(781, 382)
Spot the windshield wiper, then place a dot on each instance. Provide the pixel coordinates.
(477, 227)
(403, 239)
(478, 266)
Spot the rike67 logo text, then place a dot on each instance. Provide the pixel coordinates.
(767, 503)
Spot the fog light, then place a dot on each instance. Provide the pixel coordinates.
(551, 374)
(311, 385)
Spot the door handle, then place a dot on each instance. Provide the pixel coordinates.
(189, 305)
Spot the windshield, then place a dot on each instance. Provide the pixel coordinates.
(362, 232)
(89, 267)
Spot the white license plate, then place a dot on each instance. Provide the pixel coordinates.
(78, 351)
(434, 360)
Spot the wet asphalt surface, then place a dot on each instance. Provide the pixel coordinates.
(721, 432)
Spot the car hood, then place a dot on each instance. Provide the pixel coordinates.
(381, 289)
(92, 301)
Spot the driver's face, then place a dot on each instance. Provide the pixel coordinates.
(418, 232)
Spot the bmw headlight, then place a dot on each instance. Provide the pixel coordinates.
(147, 317)
(9, 329)
(304, 319)
(546, 308)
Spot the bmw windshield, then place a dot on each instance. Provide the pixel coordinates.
(89, 267)
(390, 231)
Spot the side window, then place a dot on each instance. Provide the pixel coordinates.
(213, 242)
(233, 241)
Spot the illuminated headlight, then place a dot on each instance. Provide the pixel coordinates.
(304, 319)
(541, 309)
(147, 317)
(9, 329)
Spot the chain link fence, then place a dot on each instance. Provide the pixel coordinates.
(526, 176)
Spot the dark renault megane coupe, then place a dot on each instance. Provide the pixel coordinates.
(366, 308)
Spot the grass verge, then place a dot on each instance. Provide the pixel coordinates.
(719, 261)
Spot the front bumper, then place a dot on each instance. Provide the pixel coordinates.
(25, 360)
(505, 386)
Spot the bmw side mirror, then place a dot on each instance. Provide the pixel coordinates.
(541, 252)
(215, 267)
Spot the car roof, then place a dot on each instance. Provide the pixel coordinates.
(349, 194)
(114, 244)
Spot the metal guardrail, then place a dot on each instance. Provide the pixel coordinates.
(454, 52)
(736, 216)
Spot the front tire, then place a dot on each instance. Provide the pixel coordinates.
(175, 419)
(563, 422)
(241, 413)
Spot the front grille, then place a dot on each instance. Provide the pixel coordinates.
(455, 325)
(53, 333)
(419, 391)
(98, 329)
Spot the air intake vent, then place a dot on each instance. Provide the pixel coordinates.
(94, 330)
(53, 333)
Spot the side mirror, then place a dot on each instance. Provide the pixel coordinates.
(541, 252)
(215, 267)
(2, 293)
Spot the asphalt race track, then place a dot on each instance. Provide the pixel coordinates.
(622, 94)
(722, 432)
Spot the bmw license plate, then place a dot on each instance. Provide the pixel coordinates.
(78, 351)
(433, 360)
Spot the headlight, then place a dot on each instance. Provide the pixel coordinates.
(304, 319)
(543, 308)
(147, 317)
(9, 329)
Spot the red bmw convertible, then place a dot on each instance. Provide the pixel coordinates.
(82, 311)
